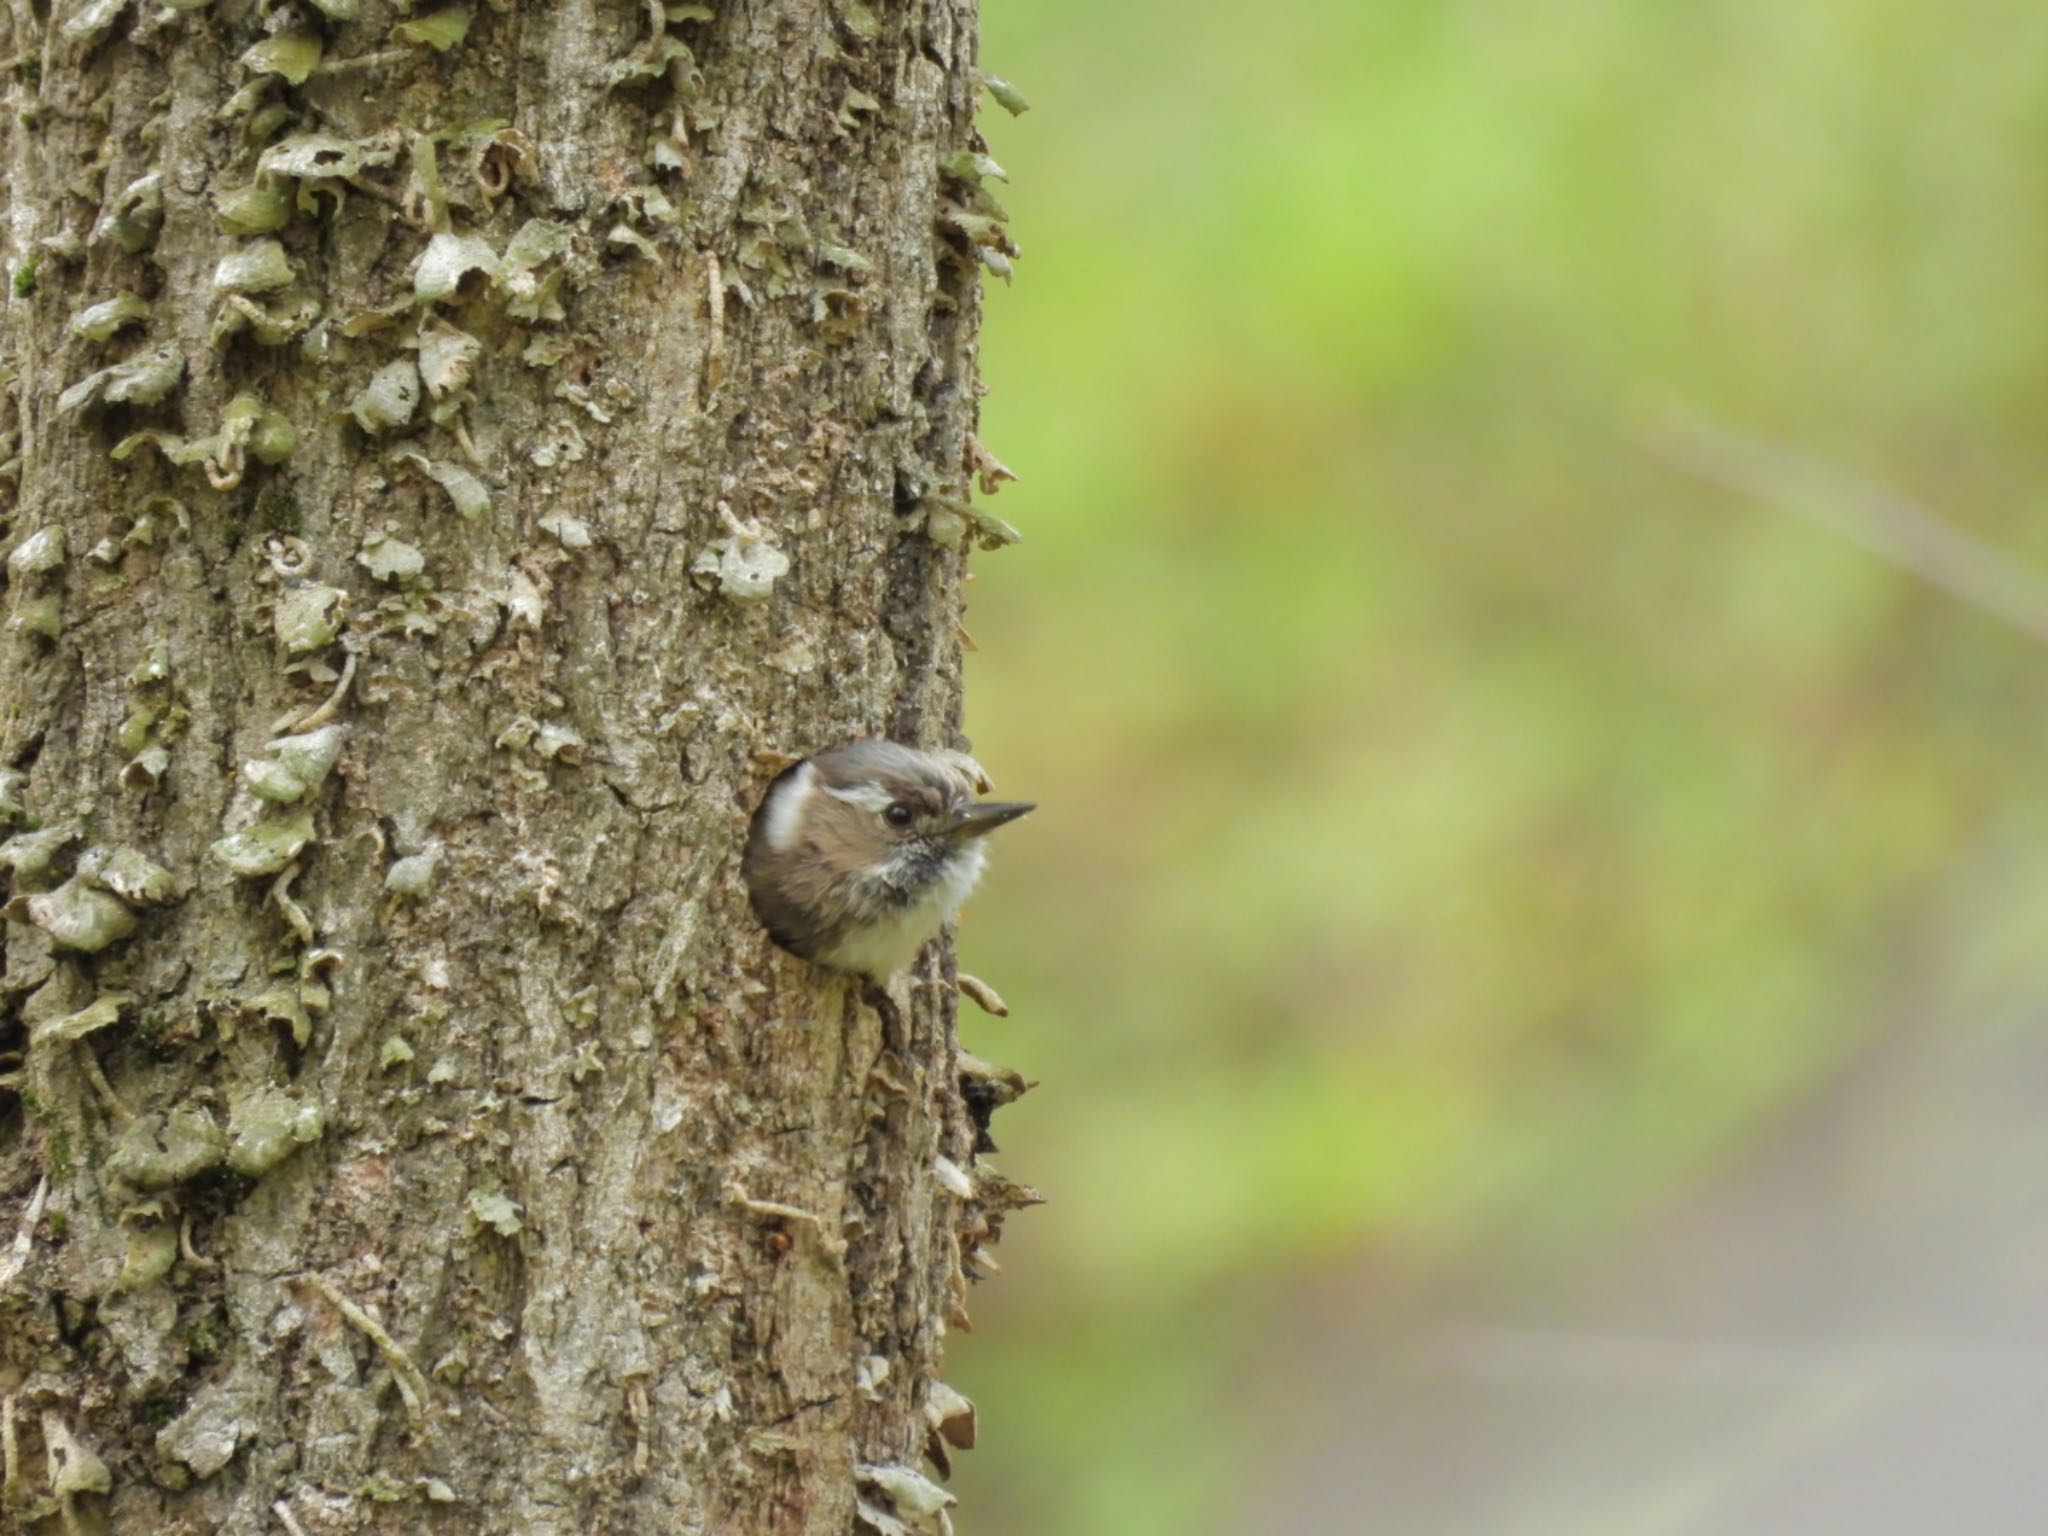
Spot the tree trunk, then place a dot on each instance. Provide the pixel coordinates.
(453, 452)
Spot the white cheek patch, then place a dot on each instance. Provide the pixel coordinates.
(869, 797)
(786, 807)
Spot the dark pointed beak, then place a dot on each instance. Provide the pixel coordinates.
(980, 819)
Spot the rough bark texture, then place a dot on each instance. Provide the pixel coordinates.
(524, 421)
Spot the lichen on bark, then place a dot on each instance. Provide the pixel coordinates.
(446, 455)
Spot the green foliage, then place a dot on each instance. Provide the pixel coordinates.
(1460, 825)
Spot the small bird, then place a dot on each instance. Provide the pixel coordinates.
(859, 854)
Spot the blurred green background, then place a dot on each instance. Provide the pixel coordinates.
(1466, 833)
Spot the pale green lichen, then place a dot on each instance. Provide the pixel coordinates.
(454, 267)
(624, 236)
(175, 449)
(248, 429)
(1007, 96)
(389, 399)
(297, 766)
(652, 61)
(77, 916)
(319, 156)
(284, 1006)
(390, 559)
(271, 436)
(979, 228)
(307, 618)
(133, 217)
(573, 532)
(495, 1211)
(991, 531)
(258, 208)
(267, 847)
(147, 769)
(252, 101)
(293, 56)
(39, 554)
(204, 1437)
(425, 192)
(266, 120)
(945, 527)
(138, 725)
(32, 855)
(438, 30)
(269, 1124)
(381, 1487)
(271, 781)
(259, 267)
(859, 18)
(39, 616)
(843, 257)
(88, 20)
(104, 319)
(947, 520)
(161, 1151)
(447, 359)
(155, 666)
(95, 1016)
(532, 296)
(381, 317)
(744, 566)
(143, 379)
(972, 166)
(271, 327)
(544, 351)
(472, 500)
(74, 1467)
(152, 1249)
(131, 875)
(310, 755)
(413, 875)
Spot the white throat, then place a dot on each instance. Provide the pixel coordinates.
(882, 949)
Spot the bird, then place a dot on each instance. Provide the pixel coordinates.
(859, 854)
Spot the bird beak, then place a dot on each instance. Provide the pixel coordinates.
(980, 819)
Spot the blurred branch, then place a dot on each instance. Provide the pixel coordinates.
(1863, 511)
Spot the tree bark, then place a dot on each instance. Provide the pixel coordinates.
(450, 454)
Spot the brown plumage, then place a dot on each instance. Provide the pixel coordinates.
(860, 854)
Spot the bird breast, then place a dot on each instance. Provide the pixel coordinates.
(889, 941)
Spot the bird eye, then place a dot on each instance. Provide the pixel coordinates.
(898, 815)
